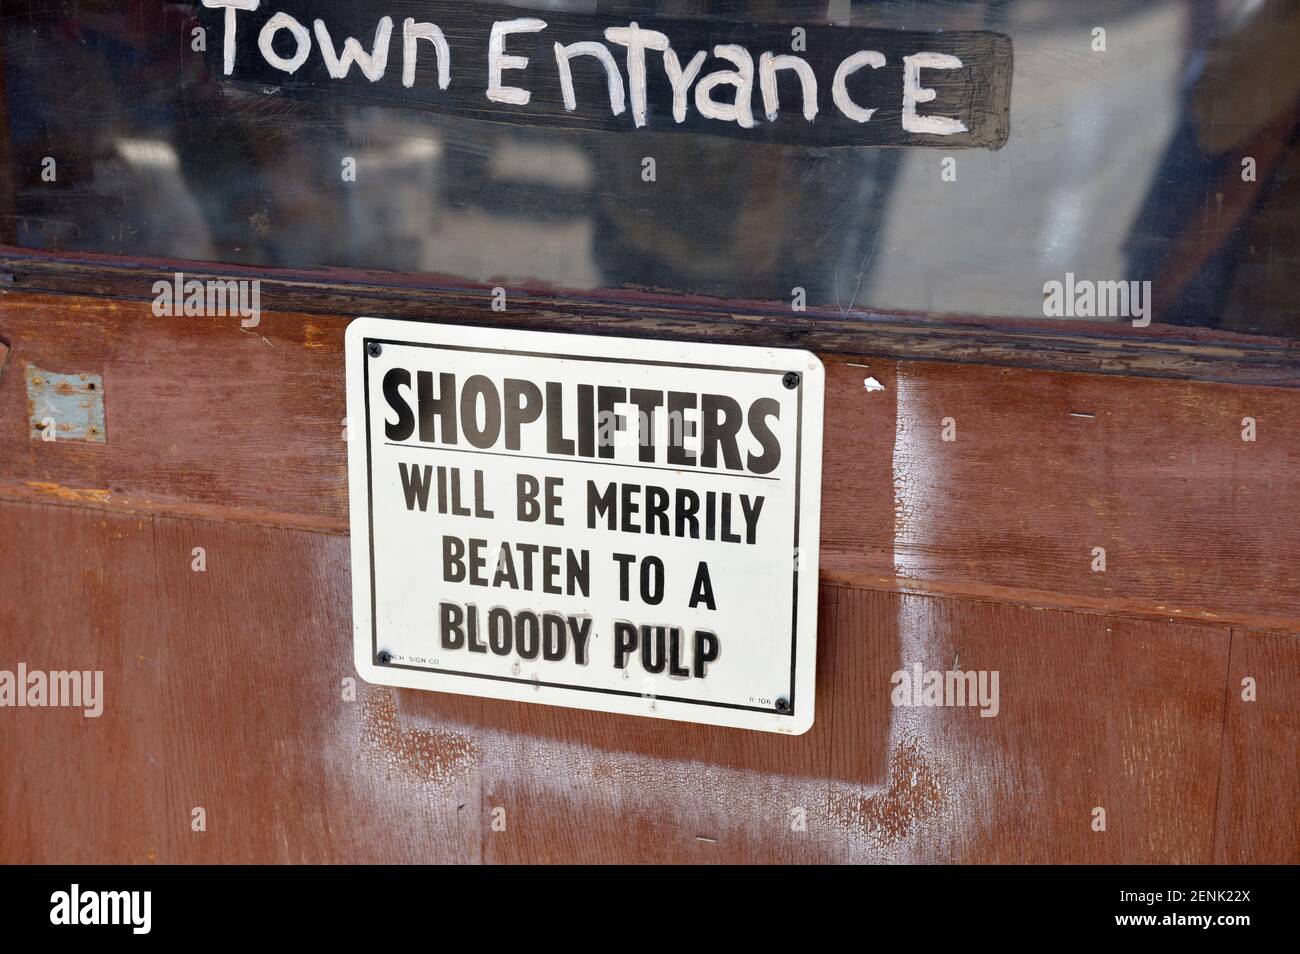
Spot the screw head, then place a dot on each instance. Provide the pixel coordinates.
(791, 380)
(384, 657)
(374, 349)
(782, 705)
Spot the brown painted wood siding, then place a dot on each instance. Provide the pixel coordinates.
(1140, 717)
(973, 553)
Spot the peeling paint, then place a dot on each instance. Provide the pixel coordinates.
(71, 404)
(68, 493)
(420, 755)
(690, 802)
(313, 337)
(915, 791)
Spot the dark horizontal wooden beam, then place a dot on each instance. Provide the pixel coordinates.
(1159, 351)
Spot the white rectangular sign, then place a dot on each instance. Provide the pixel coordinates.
(603, 523)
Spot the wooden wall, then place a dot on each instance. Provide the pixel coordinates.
(1119, 690)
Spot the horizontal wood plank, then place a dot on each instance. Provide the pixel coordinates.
(224, 689)
(1045, 468)
(209, 419)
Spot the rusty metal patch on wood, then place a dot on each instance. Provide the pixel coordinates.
(65, 407)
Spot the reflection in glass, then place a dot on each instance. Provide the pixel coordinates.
(1126, 163)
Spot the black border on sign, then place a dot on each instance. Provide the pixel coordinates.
(370, 511)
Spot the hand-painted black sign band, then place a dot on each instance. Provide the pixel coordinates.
(809, 84)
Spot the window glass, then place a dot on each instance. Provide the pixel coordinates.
(1147, 142)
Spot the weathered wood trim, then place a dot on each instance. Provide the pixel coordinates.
(1160, 351)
